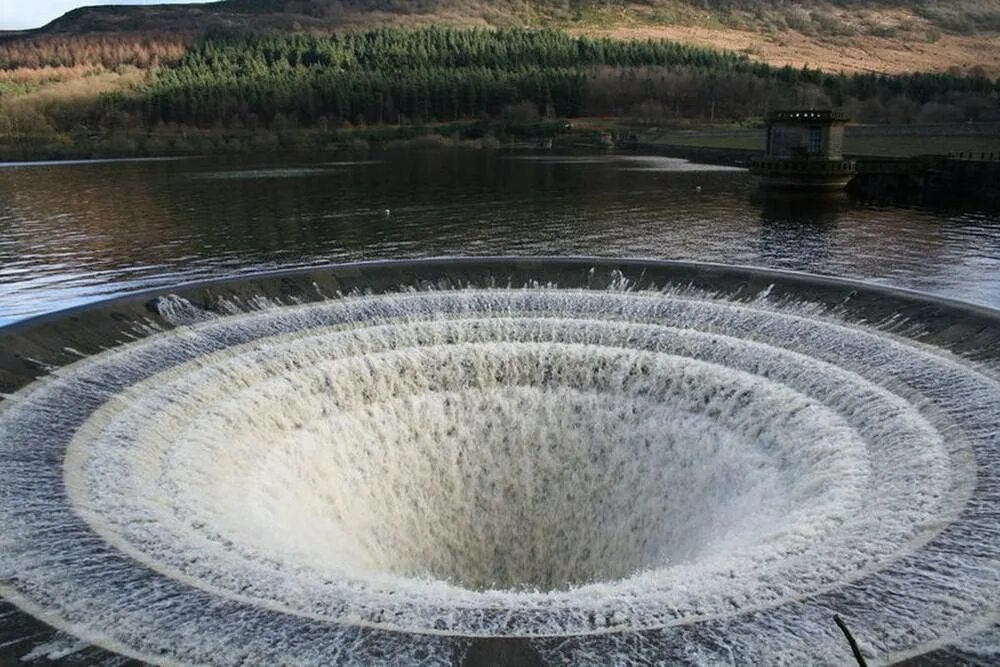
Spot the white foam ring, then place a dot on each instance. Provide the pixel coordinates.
(365, 479)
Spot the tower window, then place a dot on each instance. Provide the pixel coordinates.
(815, 139)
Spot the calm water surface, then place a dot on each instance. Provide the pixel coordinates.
(77, 232)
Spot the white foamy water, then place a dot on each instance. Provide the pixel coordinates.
(368, 478)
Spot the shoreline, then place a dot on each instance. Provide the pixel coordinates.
(703, 139)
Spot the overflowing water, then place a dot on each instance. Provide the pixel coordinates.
(614, 474)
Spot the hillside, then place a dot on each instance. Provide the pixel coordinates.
(835, 35)
(262, 74)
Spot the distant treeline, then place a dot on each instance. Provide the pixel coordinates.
(439, 74)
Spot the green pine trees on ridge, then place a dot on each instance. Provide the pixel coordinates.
(392, 75)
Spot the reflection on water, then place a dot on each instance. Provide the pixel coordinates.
(801, 220)
(805, 209)
(629, 162)
(70, 233)
(231, 174)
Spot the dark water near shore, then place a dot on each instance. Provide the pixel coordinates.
(72, 233)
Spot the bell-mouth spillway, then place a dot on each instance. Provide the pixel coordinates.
(521, 459)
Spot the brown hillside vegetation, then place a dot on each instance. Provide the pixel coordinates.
(142, 50)
(836, 35)
(888, 55)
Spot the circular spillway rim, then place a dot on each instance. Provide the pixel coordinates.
(705, 270)
(515, 261)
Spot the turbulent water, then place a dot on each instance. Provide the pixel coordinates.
(375, 477)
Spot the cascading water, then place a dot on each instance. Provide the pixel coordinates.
(684, 468)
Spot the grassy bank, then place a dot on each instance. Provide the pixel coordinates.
(886, 140)
(178, 140)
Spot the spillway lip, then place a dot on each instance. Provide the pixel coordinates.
(749, 307)
(497, 265)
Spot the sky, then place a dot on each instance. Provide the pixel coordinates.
(21, 14)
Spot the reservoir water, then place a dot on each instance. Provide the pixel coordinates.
(71, 233)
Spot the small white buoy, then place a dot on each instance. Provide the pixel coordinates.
(697, 188)
(388, 213)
